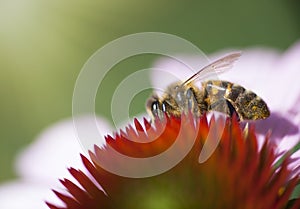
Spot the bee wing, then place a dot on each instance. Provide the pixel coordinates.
(218, 66)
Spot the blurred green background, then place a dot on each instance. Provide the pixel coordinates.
(44, 44)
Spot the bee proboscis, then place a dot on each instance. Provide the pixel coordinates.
(213, 95)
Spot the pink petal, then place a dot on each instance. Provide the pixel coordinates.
(56, 149)
(25, 195)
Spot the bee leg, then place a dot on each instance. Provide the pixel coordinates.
(246, 130)
(191, 103)
(232, 111)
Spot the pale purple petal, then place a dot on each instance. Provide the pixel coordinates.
(56, 149)
(26, 195)
(272, 76)
(45, 161)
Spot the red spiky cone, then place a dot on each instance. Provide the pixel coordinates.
(237, 175)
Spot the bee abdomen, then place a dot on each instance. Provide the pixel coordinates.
(230, 98)
(214, 96)
(233, 91)
(248, 105)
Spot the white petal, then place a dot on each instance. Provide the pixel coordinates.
(255, 71)
(289, 67)
(289, 142)
(272, 76)
(21, 195)
(56, 149)
(290, 60)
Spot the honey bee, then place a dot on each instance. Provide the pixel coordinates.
(214, 95)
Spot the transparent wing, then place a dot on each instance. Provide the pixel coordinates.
(218, 66)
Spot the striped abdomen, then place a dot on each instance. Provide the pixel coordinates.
(229, 98)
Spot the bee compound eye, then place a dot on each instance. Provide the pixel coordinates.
(155, 106)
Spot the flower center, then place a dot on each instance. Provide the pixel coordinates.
(157, 195)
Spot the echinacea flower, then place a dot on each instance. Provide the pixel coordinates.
(270, 74)
(238, 174)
